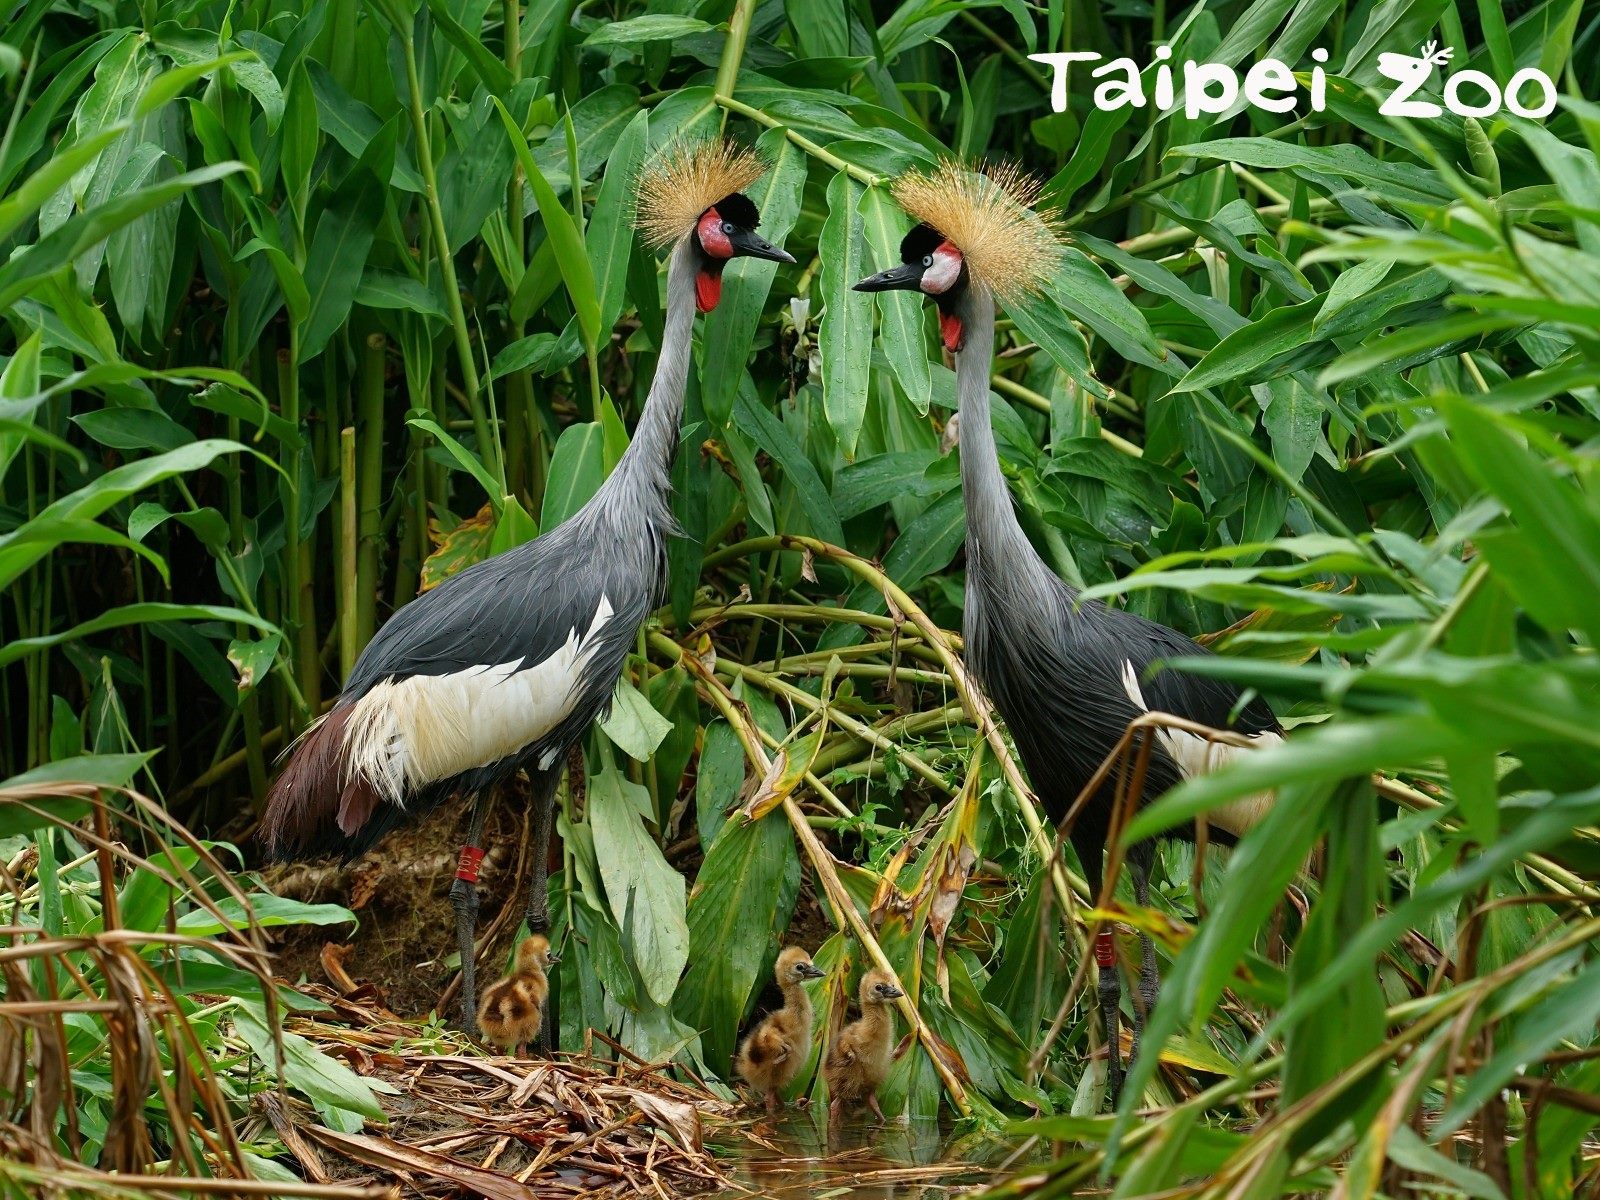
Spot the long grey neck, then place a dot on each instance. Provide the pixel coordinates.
(644, 475)
(997, 548)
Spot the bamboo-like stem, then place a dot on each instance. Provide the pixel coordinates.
(861, 174)
(487, 447)
(1042, 404)
(348, 576)
(369, 488)
(733, 49)
(250, 706)
(865, 733)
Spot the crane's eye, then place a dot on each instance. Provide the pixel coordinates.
(927, 260)
(727, 227)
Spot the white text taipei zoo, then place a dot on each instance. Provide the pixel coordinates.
(1271, 86)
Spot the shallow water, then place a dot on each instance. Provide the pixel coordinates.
(794, 1156)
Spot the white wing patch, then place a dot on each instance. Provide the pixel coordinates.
(1196, 755)
(406, 733)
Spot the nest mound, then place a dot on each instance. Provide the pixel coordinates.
(505, 1128)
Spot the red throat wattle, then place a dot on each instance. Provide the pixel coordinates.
(950, 331)
(707, 288)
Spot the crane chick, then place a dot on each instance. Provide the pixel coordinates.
(775, 1050)
(512, 1011)
(858, 1061)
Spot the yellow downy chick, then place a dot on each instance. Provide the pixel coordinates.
(775, 1050)
(859, 1059)
(512, 1010)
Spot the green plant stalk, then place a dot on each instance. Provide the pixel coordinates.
(298, 624)
(250, 706)
(487, 446)
(369, 488)
(523, 470)
(865, 733)
(860, 174)
(1040, 403)
(733, 50)
(348, 578)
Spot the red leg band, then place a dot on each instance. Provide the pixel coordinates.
(1105, 948)
(467, 865)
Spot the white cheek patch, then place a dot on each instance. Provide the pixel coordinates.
(406, 733)
(942, 275)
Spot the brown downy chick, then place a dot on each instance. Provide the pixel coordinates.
(512, 1010)
(858, 1061)
(775, 1050)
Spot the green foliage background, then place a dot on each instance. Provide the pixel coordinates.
(307, 305)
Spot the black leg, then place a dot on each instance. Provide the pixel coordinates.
(538, 911)
(464, 898)
(1089, 841)
(1105, 953)
(1149, 981)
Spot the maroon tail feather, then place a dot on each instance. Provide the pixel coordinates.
(309, 800)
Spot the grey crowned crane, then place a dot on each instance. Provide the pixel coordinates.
(1066, 674)
(502, 667)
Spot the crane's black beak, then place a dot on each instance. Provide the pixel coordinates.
(747, 243)
(906, 277)
(889, 992)
(812, 971)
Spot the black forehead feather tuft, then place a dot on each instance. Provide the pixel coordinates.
(920, 242)
(739, 209)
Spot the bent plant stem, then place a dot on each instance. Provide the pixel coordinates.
(675, 654)
(1063, 881)
(817, 152)
(866, 733)
(827, 876)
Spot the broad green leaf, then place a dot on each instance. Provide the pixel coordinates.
(740, 905)
(610, 233)
(633, 724)
(901, 321)
(566, 239)
(730, 328)
(576, 472)
(644, 893)
(132, 614)
(845, 338)
(652, 27)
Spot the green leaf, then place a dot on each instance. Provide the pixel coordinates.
(319, 1077)
(94, 498)
(576, 472)
(730, 328)
(566, 239)
(769, 433)
(610, 233)
(132, 614)
(900, 312)
(633, 723)
(396, 290)
(339, 250)
(740, 906)
(468, 461)
(271, 912)
(845, 337)
(652, 27)
(644, 893)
